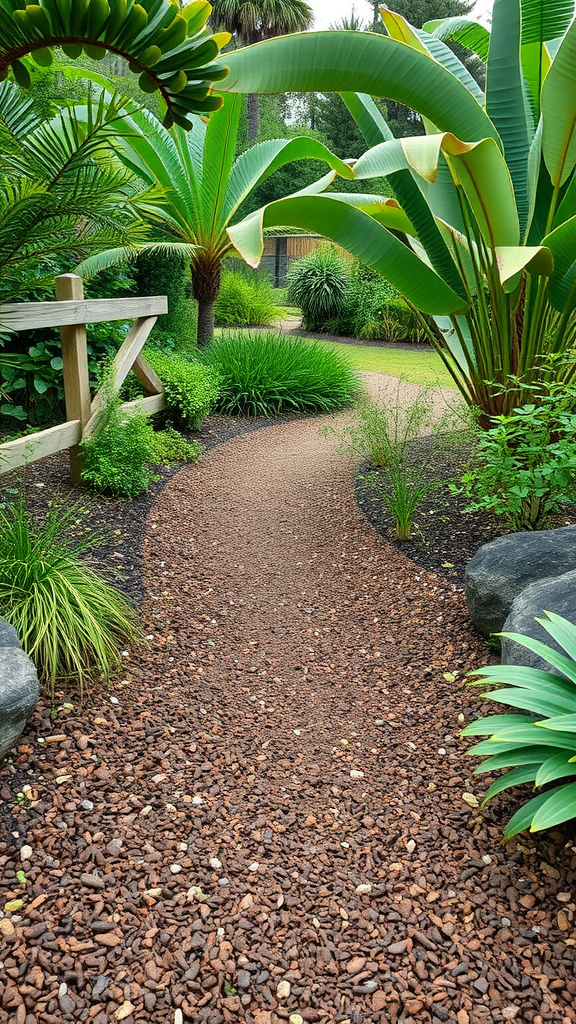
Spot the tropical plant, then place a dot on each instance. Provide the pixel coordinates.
(317, 283)
(252, 22)
(203, 185)
(539, 747)
(266, 374)
(165, 44)
(243, 301)
(525, 464)
(484, 204)
(69, 618)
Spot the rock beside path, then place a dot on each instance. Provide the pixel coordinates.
(18, 688)
(501, 570)
(555, 594)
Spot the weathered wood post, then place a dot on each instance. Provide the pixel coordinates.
(69, 287)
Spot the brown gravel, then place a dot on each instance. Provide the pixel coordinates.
(290, 651)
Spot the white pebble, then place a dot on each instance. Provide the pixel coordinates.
(178, 1016)
(114, 700)
(486, 859)
(253, 866)
(26, 853)
(215, 863)
(197, 801)
(441, 750)
(175, 869)
(410, 846)
(355, 774)
(297, 732)
(223, 881)
(362, 890)
(345, 845)
(283, 990)
(183, 847)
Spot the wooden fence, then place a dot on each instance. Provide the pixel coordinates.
(71, 312)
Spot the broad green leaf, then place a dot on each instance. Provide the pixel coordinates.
(563, 723)
(522, 820)
(559, 112)
(512, 758)
(219, 152)
(359, 234)
(517, 777)
(535, 65)
(562, 286)
(512, 260)
(360, 62)
(368, 118)
(385, 211)
(564, 665)
(259, 162)
(560, 806)
(540, 704)
(488, 726)
(562, 631)
(533, 735)
(556, 767)
(543, 20)
(518, 675)
(505, 103)
(468, 33)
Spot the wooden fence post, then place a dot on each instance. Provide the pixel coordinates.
(75, 358)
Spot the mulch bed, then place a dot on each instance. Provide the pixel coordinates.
(265, 816)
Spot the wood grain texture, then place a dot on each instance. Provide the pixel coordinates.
(18, 453)
(28, 316)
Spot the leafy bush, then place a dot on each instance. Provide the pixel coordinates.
(242, 301)
(317, 283)
(69, 618)
(265, 374)
(164, 273)
(526, 467)
(191, 387)
(373, 310)
(539, 747)
(119, 458)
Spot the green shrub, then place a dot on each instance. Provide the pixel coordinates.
(119, 458)
(191, 388)
(526, 468)
(539, 747)
(69, 618)
(317, 283)
(162, 273)
(373, 310)
(265, 374)
(245, 300)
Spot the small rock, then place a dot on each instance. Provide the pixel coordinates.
(362, 890)
(355, 774)
(510, 1012)
(215, 863)
(26, 853)
(114, 847)
(243, 979)
(295, 1018)
(254, 866)
(398, 947)
(470, 799)
(195, 894)
(223, 881)
(365, 990)
(481, 985)
(283, 990)
(355, 965)
(410, 846)
(175, 869)
(92, 881)
(86, 805)
(506, 921)
(178, 1016)
(125, 1010)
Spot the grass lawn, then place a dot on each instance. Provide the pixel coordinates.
(419, 367)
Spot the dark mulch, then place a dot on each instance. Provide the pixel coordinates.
(445, 535)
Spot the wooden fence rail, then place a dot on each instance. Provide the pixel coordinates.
(71, 312)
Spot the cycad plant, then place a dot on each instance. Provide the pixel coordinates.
(479, 229)
(201, 184)
(537, 748)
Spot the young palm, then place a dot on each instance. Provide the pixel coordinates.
(252, 22)
(200, 186)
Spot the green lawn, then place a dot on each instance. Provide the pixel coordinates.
(418, 366)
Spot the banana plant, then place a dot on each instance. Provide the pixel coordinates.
(167, 46)
(201, 184)
(479, 229)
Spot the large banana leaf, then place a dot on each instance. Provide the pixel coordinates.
(357, 232)
(360, 62)
(559, 112)
(468, 33)
(543, 20)
(505, 98)
(562, 244)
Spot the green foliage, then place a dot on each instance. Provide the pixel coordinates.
(265, 374)
(243, 301)
(526, 462)
(372, 309)
(383, 431)
(539, 744)
(119, 458)
(191, 388)
(164, 273)
(317, 283)
(169, 50)
(69, 618)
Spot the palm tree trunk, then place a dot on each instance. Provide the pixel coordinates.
(253, 112)
(206, 276)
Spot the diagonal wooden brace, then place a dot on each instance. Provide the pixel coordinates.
(127, 358)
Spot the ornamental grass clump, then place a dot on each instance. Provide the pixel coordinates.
(245, 300)
(539, 747)
(317, 283)
(266, 374)
(69, 618)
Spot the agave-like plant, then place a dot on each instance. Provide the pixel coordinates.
(479, 229)
(539, 748)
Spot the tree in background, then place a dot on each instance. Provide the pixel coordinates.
(251, 22)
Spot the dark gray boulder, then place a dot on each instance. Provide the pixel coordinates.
(555, 594)
(501, 570)
(18, 688)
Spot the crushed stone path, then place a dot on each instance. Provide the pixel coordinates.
(266, 819)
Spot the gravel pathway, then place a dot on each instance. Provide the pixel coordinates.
(265, 821)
